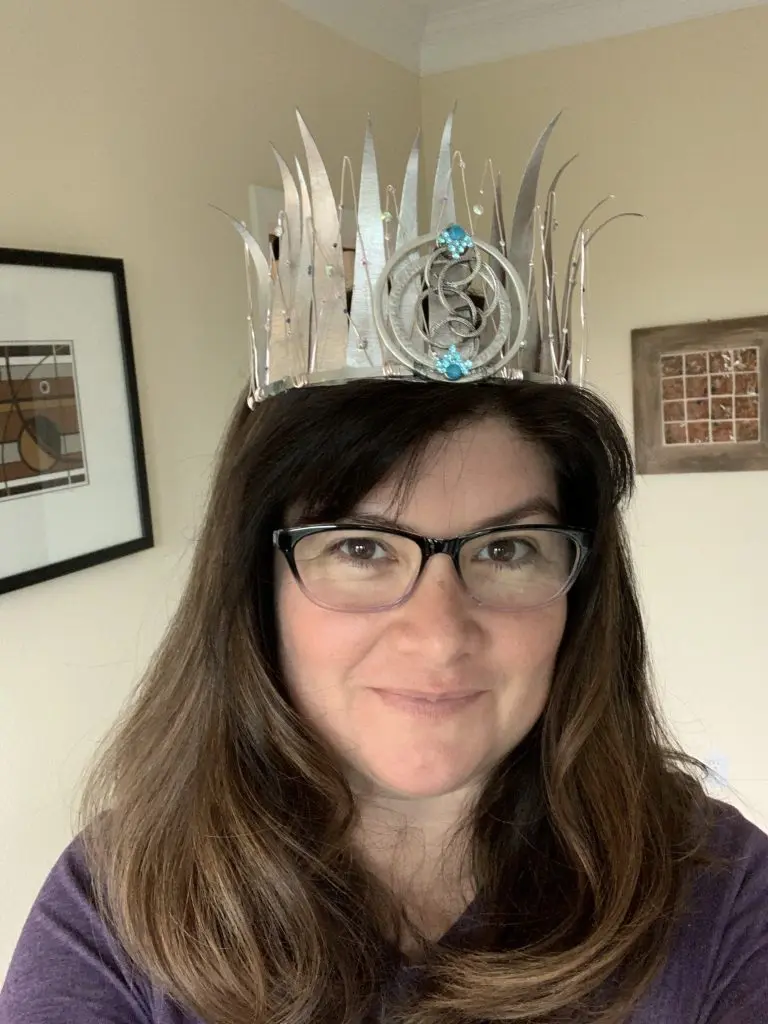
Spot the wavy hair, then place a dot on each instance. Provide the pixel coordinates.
(219, 828)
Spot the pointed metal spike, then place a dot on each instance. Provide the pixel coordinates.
(330, 314)
(260, 311)
(407, 226)
(370, 258)
(498, 241)
(301, 321)
(521, 240)
(443, 204)
(553, 313)
(285, 359)
(290, 242)
(403, 280)
(520, 246)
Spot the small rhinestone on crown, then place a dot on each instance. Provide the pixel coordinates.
(452, 365)
(456, 239)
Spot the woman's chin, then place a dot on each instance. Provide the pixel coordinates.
(418, 785)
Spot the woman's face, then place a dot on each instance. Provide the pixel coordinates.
(343, 668)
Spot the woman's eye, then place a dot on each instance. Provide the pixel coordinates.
(362, 549)
(507, 549)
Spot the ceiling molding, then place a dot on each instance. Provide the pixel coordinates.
(432, 36)
(392, 28)
(481, 31)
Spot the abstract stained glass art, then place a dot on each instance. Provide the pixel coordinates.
(41, 435)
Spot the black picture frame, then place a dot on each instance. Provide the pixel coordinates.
(74, 491)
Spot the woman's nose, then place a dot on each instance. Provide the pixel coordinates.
(439, 618)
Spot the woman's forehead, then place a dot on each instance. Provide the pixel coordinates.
(464, 478)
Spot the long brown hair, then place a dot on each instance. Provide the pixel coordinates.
(219, 828)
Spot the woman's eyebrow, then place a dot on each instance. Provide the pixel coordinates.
(537, 506)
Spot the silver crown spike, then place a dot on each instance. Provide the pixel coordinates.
(301, 333)
(330, 313)
(551, 342)
(286, 359)
(407, 221)
(363, 347)
(407, 233)
(443, 203)
(521, 246)
(289, 243)
(551, 312)
(498, 240)
(258, 308)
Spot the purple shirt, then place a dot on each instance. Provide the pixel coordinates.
(67, 970)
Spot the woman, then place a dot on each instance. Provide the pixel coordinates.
(397, 758)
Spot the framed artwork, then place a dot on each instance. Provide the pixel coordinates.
(73, 481)
(701, 396)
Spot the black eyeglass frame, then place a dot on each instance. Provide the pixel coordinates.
(286, 539)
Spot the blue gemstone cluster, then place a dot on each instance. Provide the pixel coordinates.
(452, 365)
(457, 240)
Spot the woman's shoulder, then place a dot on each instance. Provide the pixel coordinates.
(734, 884)
(733, 889)
(717, 967)
(67, 965)
(734, 835)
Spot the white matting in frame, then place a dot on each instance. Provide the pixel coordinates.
(73, 484)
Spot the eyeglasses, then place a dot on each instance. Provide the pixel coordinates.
(360, 569)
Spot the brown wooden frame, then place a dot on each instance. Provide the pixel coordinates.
(648, 346)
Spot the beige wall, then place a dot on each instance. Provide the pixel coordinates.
(120, 123)
(673, 123)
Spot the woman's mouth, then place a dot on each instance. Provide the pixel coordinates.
(430, 705)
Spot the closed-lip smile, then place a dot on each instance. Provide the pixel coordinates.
(431, 695)
(431, 705)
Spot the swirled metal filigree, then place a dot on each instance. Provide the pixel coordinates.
(445, 312)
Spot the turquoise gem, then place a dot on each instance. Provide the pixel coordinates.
(452, 365)
(457, 240)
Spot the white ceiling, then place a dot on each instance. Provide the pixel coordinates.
(430, 36)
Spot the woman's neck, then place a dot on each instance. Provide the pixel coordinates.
(416, 848)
